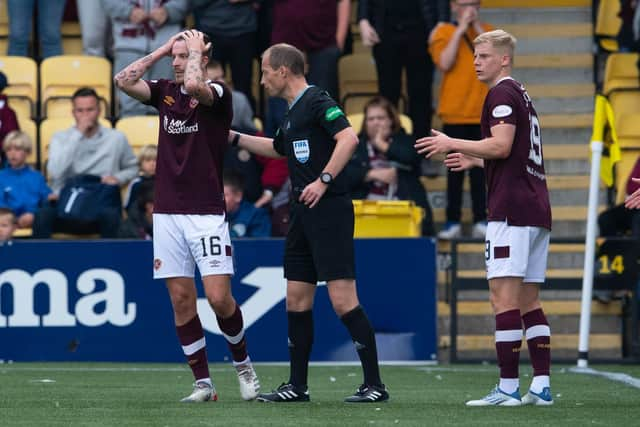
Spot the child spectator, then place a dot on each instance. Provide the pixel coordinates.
(23, 188)
(147, 160)
(8, 120)
(7, 226)
(139, 222)
(245, 220)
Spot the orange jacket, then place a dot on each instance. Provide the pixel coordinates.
(461, 93)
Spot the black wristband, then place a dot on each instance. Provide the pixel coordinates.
(235, 140)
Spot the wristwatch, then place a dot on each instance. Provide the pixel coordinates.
(326, 178)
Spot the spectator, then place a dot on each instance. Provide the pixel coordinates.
(147, 163)
(231, 26)
(94, 25)
(625, 35)
(139, 27)
(385, 166)
(319, 29)
(460, 107)
(242, 112)
(398, 32)
(245, 220)
(87, 148)
(50, 14)
(7, 226)
(8, 119)
(139, 222)
(618, 220)
(23, 189)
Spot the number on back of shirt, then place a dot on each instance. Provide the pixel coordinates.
(535, 152)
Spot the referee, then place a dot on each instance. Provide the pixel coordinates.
(318, 141)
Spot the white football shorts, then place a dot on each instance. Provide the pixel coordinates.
(512, 251)
(180, 242)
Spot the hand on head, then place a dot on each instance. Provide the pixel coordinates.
(195, 41)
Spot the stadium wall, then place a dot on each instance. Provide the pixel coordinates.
(97, 301)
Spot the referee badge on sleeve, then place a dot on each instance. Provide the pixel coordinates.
(301, 150)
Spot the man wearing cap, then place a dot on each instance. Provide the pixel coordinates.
(8, 120)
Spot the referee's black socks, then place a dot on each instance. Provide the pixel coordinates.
(364, 339)
(300, 341)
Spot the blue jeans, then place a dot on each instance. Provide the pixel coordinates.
(49, 21)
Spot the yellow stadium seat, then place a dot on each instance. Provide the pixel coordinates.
(358, 79)
(61, 76)
(22, 74)
(52, 125)
(624, 101)
(608, 25)
(140, 130)
(621, 72)
(4, 19)
(29, 127)
(72, 46)
(357, 119)
(623, 170)
(628, 130)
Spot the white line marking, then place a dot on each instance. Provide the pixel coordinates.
(613, 376)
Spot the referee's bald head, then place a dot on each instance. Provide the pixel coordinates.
(285, 55)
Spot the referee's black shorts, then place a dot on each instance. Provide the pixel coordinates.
(319, 245)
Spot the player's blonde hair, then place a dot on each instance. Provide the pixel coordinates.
(18, 140)
(148, 152)
(499, 39)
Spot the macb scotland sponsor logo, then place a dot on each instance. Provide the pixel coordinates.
(93, 308)
(178, 126)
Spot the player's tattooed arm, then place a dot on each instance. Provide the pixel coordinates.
(129, 79)
(195, 82)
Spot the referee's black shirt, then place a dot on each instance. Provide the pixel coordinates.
(306, 139)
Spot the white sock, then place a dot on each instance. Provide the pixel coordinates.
(539, 383)
(205, 380)
(247, 360)
(509, 385)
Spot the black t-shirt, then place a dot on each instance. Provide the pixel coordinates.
(306, 138)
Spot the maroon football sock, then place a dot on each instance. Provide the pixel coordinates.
(538, 336)
(508, 342)
(191, 338)
(233, 330)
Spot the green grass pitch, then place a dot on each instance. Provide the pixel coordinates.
(98, 394)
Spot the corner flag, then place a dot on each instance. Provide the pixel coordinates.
(603, 125)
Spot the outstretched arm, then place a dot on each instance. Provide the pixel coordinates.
(255, 144)
(497, 146)
(130, 80)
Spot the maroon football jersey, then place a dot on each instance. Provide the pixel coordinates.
(516, 186)
(191, 145)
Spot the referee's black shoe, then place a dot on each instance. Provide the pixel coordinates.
(368, 394)
(285, 393)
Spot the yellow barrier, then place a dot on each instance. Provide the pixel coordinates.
(377, 218)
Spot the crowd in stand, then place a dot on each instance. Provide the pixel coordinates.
(384, 166)
(240, 30)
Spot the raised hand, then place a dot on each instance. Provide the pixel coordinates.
(195, 41)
